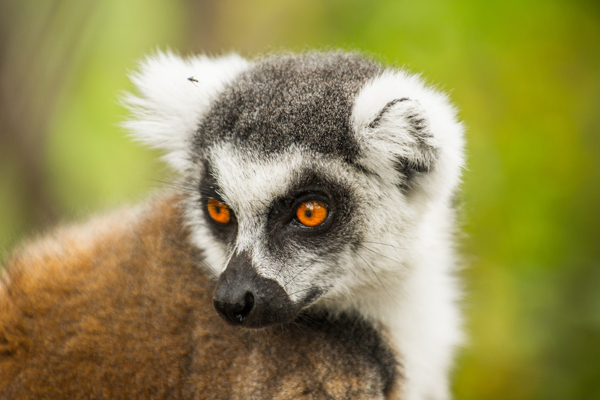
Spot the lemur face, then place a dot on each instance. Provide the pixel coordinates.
(287, 224)
(300, 170)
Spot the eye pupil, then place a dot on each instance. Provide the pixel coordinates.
(308, 214)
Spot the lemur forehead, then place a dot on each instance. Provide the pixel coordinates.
(300, 100)
(249, 182)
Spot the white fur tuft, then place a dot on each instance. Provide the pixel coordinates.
(391, 138)
(170, 106)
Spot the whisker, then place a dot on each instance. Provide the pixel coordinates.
(380, 255)
(380, 281)
(298, 274)
(387, 244)
(279, 272)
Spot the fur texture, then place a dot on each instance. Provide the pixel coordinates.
(379, 149)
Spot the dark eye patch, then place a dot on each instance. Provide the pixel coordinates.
(284, 227)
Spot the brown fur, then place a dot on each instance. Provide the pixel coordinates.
(121, 309)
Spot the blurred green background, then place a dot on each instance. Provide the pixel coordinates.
(525, 75)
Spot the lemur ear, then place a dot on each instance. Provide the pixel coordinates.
(174, 95)
(408, 134)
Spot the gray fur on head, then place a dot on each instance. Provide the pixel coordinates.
(288, 101)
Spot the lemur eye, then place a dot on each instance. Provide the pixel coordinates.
(218, 211)
(311, 213)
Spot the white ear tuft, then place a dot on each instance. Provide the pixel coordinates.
(174, 95)
(408, 133)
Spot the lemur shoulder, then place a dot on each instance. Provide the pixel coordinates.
(305, 252)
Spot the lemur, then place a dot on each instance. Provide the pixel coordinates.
(306, 251)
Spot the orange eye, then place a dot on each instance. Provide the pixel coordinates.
(311, 213)
(218, 211)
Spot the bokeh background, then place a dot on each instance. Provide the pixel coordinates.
(525, 75)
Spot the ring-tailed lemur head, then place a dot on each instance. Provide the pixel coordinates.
(310, 177)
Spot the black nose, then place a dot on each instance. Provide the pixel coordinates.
(235, 310)
(242, 297)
